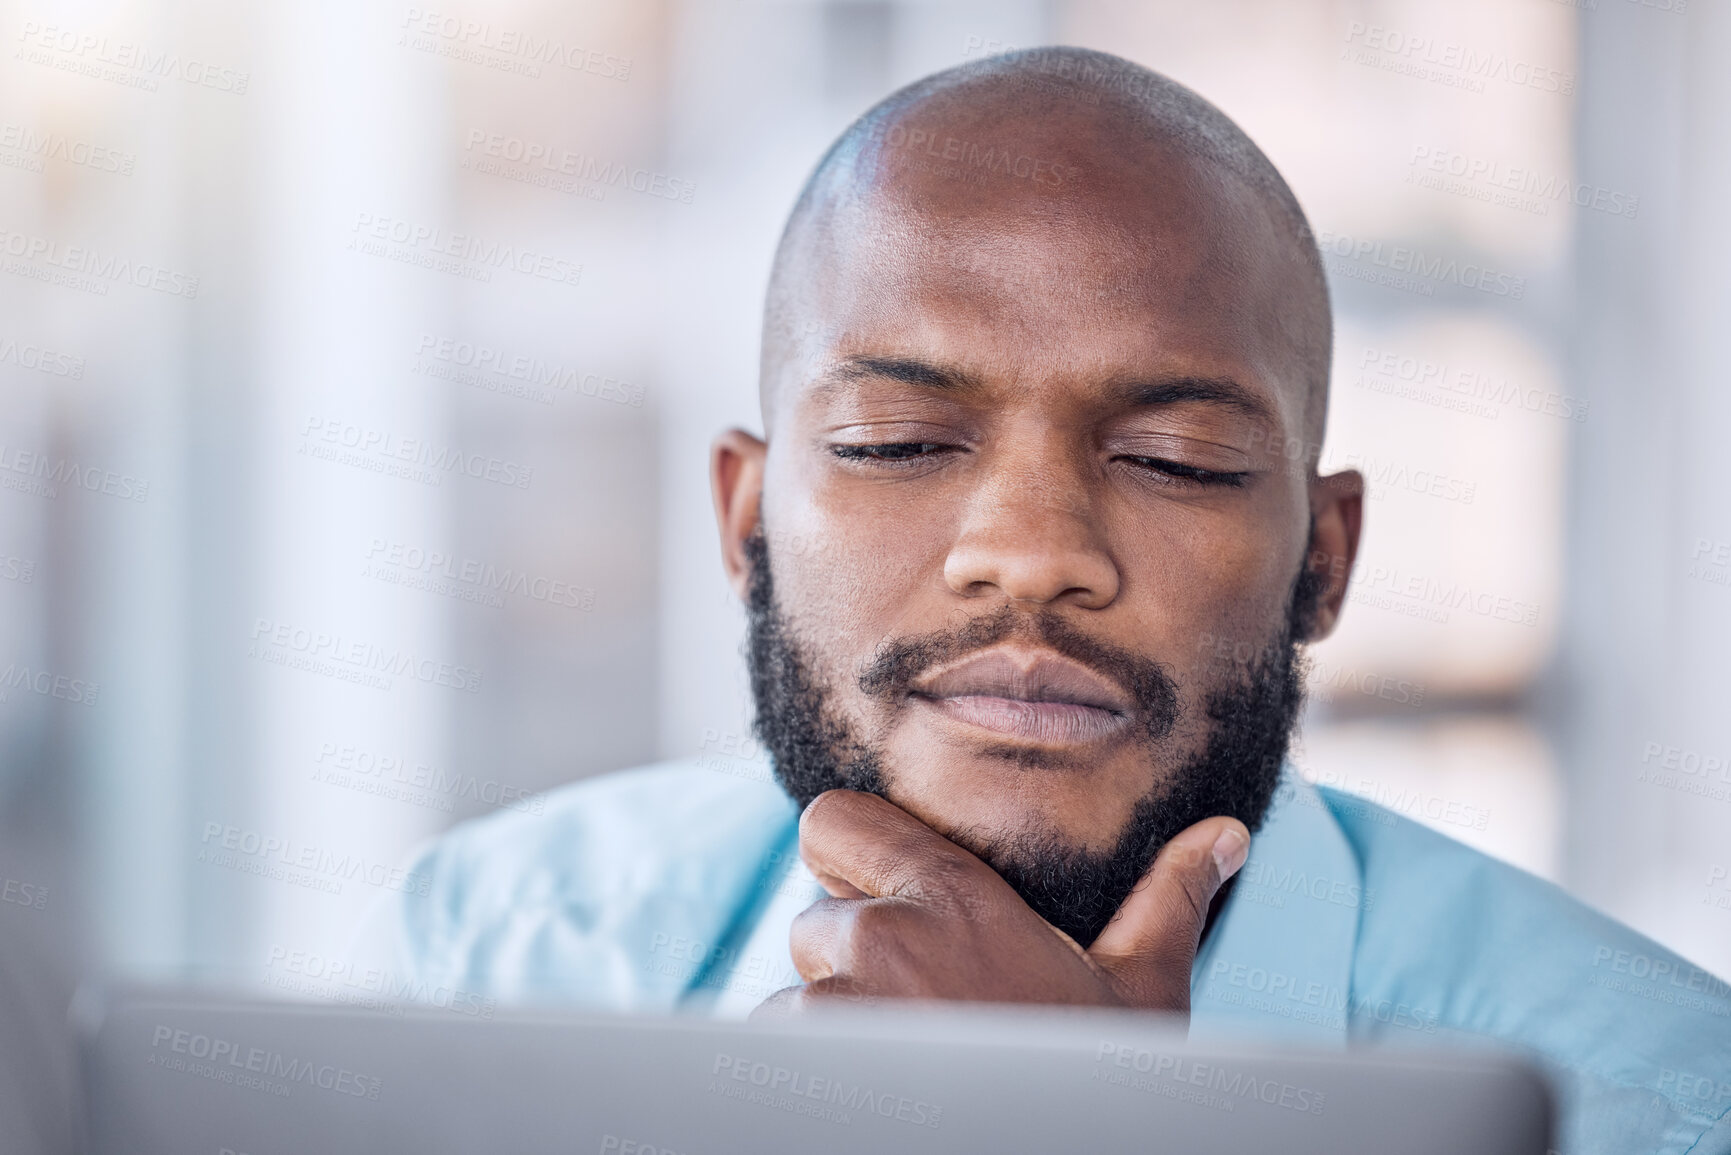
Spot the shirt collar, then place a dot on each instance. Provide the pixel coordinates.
(1278, 961)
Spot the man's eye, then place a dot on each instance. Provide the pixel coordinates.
(1184, 472)
(891, 451)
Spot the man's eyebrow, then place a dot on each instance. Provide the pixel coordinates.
(1208, 390)
(1163, 391)
(907, 370)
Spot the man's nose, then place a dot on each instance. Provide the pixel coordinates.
(1033, 537)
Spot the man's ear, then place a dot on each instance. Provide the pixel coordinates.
(736, 480)
(1337, 514)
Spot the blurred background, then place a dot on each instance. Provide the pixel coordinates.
(359, 363)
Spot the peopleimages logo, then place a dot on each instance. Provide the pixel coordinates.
(42, 476)
(31, 148)
(412, 458)
(1704, 774)
(1230, 1086)
(462, 254)
(496, 370)
(87, 269)
(315, 867)
(1306, 1000)
(28, 356)
(225, 1060)
(310, 973)
(1446, 62)
(467, 578)
(508, 49)
(974, 158)
(121, 61)
(392, 775)
(1324, 682)
(714, 967)
(1385, 475)
(1709, 562)
(21, 893)
(1471, 385)
(1718, 880)
(1341, 892)
(1400, 264)
(1410, 801)
(78, 691)
(1512, 186)
(1660, 979)
(539, 158)
(813, 1095)
(1438, 597)
(283, 643)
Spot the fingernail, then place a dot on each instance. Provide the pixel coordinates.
(1230, 851)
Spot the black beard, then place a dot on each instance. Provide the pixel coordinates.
(1078, 891)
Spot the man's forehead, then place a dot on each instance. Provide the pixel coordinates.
(1094, 292)
(1121, 203)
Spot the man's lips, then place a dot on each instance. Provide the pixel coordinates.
(1035, 695)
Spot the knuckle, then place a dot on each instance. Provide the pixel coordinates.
(874, 919)
(881, 938)
(972, 906)
(942, 878)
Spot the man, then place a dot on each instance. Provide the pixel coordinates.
(1044, 379)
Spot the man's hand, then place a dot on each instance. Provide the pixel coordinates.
(913, 915)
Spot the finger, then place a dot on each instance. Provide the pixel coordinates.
(1150, 944)
(859, 845)
(817, 933)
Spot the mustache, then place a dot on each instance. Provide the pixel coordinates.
(899, 662)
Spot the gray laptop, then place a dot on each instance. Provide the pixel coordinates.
(193, 1074)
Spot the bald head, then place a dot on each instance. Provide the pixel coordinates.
(1064, 185)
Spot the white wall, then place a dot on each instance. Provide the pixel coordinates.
(1644, 662)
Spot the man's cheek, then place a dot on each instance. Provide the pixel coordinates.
(849, 592)
(1231, 651)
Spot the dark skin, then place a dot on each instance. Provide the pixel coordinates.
(1078, 400)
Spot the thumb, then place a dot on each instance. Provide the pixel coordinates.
(1150, 944)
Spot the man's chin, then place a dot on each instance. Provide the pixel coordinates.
(1071, 837)
(1074, 882)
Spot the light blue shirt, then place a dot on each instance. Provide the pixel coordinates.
(672, 888)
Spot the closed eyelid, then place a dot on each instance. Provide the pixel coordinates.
(1181, 471)
(1198, 451)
